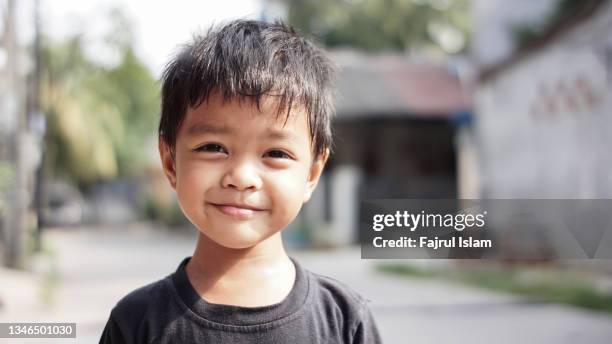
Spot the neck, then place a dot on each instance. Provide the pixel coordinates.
(219, 274)
(210, 257)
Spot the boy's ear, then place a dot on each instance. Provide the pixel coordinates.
(315, 173)
(167, 160)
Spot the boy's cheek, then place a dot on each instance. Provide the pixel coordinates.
(292, 192)
(191, 180)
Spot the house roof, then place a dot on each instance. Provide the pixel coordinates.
(390, 85)
(580, 12)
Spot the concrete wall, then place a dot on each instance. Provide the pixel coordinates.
(544, 125)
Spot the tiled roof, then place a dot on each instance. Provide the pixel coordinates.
(392, 86)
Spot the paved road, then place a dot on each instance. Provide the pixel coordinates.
(87, 271)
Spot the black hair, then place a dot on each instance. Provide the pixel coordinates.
(246, 59)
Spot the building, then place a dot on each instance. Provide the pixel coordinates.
(544, 113)
(394, 138)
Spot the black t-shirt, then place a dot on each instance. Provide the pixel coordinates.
(318, 309)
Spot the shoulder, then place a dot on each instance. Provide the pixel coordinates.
(128, 315)
(330, 292)
(136, 303)
(346, 308)
(337, 290)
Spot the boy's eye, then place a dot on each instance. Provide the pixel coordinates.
(278, 154)
(211, 147)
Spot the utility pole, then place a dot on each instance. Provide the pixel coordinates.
(15, 224)
(38, 127)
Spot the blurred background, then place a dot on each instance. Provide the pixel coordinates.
(451, 99)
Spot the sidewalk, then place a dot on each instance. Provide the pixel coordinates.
(431, 311)
(94, 268)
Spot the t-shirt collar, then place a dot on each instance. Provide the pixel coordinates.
(238, 315)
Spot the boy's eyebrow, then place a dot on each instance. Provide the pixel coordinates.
(205, 128)
(281, 135)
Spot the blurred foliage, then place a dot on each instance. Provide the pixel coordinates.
(6, 176)
(547, 284)
(6, 179)
(169, 215)
(385, 24)
(99, 117)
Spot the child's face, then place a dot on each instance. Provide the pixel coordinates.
(241, 175)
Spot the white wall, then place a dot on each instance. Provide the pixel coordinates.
(544, 126)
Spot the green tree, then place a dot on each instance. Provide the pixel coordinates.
(100, 117)
(384, 24)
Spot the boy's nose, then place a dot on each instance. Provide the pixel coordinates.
(242, 176)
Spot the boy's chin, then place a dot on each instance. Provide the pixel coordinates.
(234, 240)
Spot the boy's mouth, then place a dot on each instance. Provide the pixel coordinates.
(240, 211)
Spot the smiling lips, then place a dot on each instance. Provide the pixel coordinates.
(239, 211)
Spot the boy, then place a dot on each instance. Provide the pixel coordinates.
(244, 136)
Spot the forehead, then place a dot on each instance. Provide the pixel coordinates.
(224, 116)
